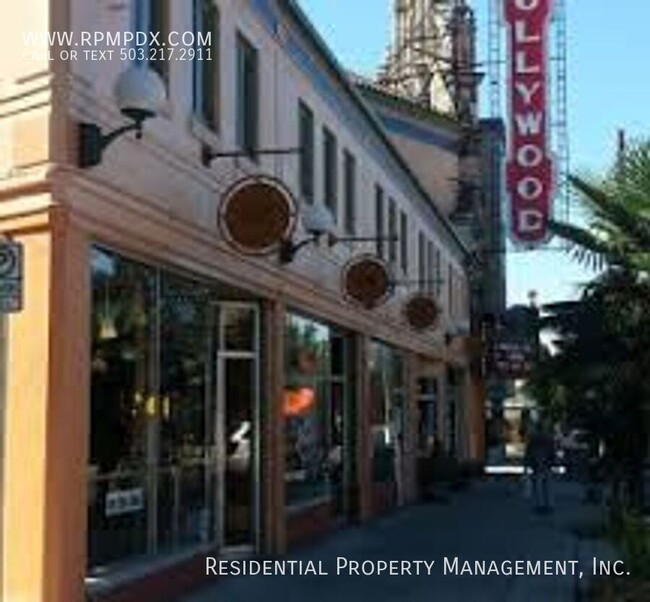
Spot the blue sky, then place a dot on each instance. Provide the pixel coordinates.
(609, 88)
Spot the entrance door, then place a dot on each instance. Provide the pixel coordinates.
(237, 422)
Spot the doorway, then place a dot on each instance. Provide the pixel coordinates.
(237, 375)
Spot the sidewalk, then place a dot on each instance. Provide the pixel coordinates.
(488, 521)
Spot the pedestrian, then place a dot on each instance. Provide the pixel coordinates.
(539, 459)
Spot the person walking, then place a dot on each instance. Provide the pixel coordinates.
(539, 458)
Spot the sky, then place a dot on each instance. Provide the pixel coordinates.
(608, 89)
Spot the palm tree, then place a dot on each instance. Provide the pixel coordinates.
(606, 340)
(619, 204)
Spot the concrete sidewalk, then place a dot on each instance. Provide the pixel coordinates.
(489, 521)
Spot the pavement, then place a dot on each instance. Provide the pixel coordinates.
(489, 520)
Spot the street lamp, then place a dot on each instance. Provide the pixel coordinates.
(317, 221)
(140, 94)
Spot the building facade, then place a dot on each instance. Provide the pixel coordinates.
(169, 395)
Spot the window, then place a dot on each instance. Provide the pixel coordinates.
(430, 267)
(206, 72)
(422, 261)
(306, 136)
(247, 96)
(379, 219)
(392, 231)
(330, 172)
(404, 242)
(450, 289)
(350, 167)
(153, 16)
(438, 275)
(386, 381)
(315, 397)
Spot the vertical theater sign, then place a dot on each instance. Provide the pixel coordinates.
(529, 169)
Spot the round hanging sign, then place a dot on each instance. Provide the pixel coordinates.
(366, 281)
(256, 214)
(421, 311)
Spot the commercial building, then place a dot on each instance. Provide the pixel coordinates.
(171, 392)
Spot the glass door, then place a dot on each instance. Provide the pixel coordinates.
(237, 422)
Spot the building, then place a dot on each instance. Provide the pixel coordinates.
(169, 394)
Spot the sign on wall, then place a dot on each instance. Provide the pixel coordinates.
(529, 169)
(11, 277)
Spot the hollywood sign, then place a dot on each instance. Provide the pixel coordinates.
(529, 168)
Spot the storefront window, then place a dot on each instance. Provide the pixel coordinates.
(315, 401)
(186, 415)
(386, 392)
(159, 345)
(122, 391)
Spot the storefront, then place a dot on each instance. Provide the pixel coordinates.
(174, 418)
(387, 402)
(320, 429)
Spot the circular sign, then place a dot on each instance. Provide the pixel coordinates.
(421, 311)
(256, 214)
(367, 281)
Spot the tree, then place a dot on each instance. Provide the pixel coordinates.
(603, 340)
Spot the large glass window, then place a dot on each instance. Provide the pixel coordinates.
(315, 401)
(158, 420)
(123, 359)
(186, 414)
(386, 402)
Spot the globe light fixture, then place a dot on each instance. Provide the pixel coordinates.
(140, 95)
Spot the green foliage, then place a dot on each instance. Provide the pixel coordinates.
(597, 376)
(632, 536)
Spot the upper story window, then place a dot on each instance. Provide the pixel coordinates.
(422, 261)
(392, 231)
(451, 283)
(306, 136)
(153, 16)
(404, 241)
(206, 63)
(247, 100)
(380, 226)
(350, 170)
(430, 266)
(438, 274)
(330, 172)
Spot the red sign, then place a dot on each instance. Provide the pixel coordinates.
(529, 170)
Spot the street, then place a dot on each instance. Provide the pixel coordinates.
(489, 521)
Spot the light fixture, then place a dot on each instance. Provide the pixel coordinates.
(318, 222)
(139, 94)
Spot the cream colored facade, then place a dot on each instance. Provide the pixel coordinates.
(153, 200)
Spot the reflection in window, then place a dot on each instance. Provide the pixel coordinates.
(122, 354)
(151, 475)
(314, 406)
(386, 392)
(306, 409)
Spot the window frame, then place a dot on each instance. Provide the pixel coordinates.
(306, 142)
(330, 172)
(380, 220)
(403, 241)
(350, 182)
(247, 97)
(200, 101)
